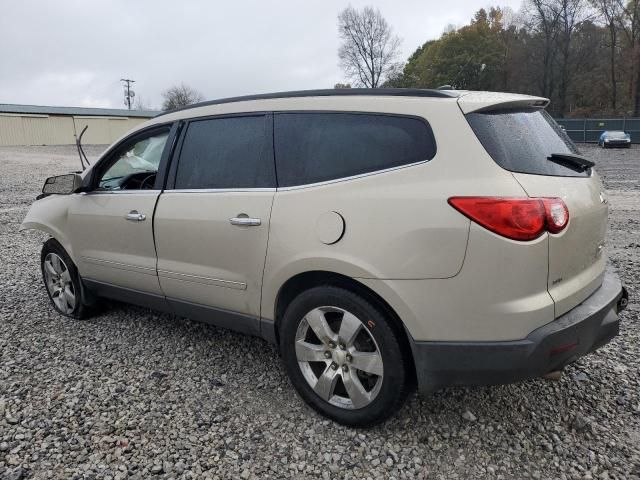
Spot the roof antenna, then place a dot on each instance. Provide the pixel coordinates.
(81, 150)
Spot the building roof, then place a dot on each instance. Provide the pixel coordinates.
(334, 92)
(79, 111)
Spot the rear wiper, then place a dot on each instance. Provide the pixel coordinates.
(570, 160)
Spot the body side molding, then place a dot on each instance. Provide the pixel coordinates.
(239, 322)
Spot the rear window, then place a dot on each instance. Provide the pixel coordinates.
(522, 140)
(317, 147)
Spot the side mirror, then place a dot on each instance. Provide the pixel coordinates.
(62, 184)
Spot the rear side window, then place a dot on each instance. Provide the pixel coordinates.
(316, 147)
(522, 140)
(232, 152)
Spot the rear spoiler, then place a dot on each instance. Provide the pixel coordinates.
(486, 101)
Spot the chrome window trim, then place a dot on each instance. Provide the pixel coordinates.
(120, 192)
(219, 190)
(262, 189)
(353, 177)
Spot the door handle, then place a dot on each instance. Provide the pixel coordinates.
(244, 220)
(134, 216)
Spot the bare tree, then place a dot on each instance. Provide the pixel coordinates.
(369, 51)
(611, 12)
(630, 23)
(557, 22)
(180, 96)
(572, 13)
(545, 16)
(142, 104)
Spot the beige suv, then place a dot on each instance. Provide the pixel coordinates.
(381, 238)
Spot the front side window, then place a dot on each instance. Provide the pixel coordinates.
(136, 165)
(315, 147)
(230, 152)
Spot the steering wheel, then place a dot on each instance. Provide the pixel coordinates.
(147, 184)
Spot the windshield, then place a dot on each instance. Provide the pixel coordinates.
(522, 140)
(616, 134)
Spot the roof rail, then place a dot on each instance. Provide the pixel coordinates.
(337, 92)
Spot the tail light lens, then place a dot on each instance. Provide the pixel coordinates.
(515, 218)
(557, 214)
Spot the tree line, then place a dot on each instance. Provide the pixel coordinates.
(584, 55)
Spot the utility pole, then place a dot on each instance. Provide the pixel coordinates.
(128, 93)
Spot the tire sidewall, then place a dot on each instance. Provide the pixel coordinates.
(394, 381)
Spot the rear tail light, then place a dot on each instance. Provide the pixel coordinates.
(515, 218)
(557, 214)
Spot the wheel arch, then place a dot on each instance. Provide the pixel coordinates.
(52, 232)
(301, 282)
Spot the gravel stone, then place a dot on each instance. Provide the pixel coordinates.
(580, 377)
(136, 394)
(469, 416)
(16, 474)
(580, 422)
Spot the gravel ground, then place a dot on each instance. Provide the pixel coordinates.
(135, 394)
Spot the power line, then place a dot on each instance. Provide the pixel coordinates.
(128, 94)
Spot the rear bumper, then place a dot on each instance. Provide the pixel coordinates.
(583, 329)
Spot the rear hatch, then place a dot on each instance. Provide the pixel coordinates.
(521, 139)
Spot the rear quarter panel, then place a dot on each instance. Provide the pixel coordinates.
(398, 224)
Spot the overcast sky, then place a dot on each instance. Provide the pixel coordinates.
(74, 53)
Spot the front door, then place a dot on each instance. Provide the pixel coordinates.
(111, 226)
(212, 221)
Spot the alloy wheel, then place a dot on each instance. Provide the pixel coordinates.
(59, 284)
(339, 358)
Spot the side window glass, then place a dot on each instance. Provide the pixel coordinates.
(136, 166)
(316, 147)
(230, 152)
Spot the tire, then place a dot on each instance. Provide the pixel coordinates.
(62, 281)
(342, 391)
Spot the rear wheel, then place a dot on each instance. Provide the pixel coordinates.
(62, 281)
(343, 356)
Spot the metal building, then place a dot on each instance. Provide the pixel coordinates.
(37, 125)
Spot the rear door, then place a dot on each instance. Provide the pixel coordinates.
(212, 222)
(521, 141)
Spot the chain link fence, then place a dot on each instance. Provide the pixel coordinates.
(588, 130)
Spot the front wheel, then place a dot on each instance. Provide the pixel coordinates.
(343, 356)
(62, 281)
